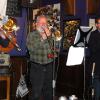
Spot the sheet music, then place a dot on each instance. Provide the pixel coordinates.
(75, 56)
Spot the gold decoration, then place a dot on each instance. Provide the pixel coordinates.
(69, 32)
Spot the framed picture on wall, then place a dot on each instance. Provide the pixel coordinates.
(70, 7)
(70, 28)
(93, 6)
(92, 23)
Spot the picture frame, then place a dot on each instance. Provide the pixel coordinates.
(92, 23)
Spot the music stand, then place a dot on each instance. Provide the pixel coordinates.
(84, 37)
(81, 40)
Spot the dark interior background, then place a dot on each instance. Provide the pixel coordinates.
(70, 79)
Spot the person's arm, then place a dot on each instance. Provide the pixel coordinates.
(29, 42)
(33, 42)
(91, 46)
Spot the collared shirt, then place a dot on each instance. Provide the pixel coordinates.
(39, 49)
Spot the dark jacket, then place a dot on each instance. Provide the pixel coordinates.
(94, 47)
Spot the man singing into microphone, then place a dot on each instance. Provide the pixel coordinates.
(94, 46)
(40, 46)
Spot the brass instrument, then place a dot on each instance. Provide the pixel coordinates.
(10, 26)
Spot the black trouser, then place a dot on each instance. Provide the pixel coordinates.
(41, 80)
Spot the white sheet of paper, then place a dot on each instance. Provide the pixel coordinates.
(75, 56)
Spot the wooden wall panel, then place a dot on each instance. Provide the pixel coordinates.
(93, 6)
(70, 7)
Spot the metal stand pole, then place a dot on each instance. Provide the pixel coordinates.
(53, 75)
(84, 87)
(55, 72)
(92, 74)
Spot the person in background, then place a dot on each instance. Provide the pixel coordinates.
(94, 47)
(40, 46)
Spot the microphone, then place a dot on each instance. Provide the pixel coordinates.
(41, 29)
